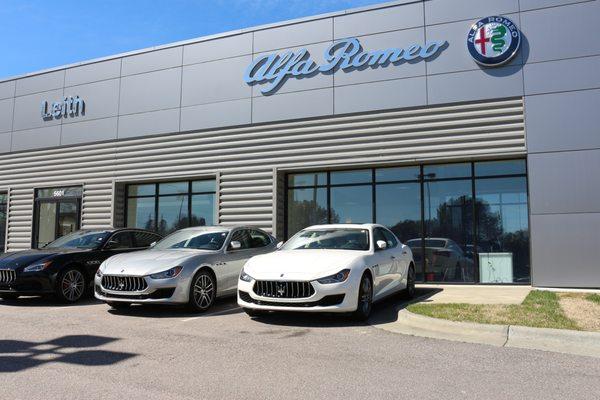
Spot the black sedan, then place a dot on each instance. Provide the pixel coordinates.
(66, 267)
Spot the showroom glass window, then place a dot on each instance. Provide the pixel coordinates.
(465, 222)
(165, 207)
(502, 222)
(3, 210)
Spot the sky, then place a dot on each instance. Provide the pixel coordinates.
(42, 34)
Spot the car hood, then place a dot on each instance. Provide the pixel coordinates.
(304, 264)
(148, 262)
(19, 259)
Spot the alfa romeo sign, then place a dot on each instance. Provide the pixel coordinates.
(493, 41)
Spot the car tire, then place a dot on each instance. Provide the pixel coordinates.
(252, 312)
(409, 292)
(119, 305)
(365, 299)
(203, 291)
(70, 285)
(9, 296)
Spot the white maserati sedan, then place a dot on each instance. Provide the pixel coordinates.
(191, 266)
(328, 268)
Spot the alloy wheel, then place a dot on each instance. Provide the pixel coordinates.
(203, 291)
(410, 283)
(73, 285)
(366, 295)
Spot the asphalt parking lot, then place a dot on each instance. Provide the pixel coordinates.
(52, 351)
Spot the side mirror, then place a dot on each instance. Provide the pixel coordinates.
(235, 245)
(381, 245)
(279, 245)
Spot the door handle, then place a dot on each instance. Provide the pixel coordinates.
(393, 257)
(405, 252)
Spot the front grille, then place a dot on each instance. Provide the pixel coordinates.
(156, 295)
(283, 290)
(7, 276)
(331, 300)
(124, 283)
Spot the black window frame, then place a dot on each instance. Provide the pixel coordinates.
(157, 195)
(422, 179)
(4, 209)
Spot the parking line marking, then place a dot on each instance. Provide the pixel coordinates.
(213, 313)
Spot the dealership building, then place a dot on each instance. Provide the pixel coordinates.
(468, 128)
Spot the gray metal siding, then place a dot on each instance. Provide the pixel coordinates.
(562, 85)
(245, 159)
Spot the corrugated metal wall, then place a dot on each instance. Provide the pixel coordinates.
(244, 159)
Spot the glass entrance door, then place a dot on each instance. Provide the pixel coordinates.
(57, 213)
(46, 223)
(56, 218)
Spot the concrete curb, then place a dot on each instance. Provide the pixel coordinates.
(556, 340)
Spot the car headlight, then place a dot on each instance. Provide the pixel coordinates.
(335, 278)
(170, 273)
(245, 277)
(99, 273)
(38, 267)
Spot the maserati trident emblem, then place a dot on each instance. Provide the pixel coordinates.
(121, 284)
(280, 289)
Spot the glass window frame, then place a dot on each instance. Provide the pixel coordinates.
(422, 179)
(157, 196)
(3, 225)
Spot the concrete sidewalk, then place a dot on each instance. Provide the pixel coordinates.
(475, 294)
(400, 320)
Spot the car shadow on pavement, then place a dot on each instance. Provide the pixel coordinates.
(19, 355)
(46, 301)
(387, 310)
(384, 311)
(223, 306)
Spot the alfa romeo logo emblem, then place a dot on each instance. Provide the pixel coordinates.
(493, 41)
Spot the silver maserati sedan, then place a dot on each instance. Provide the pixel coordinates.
(191, 266)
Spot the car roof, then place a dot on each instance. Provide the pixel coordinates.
(343, 226)
(114, 230)
(213, 228)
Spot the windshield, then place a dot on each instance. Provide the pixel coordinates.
(336, 239)
(80, 240)
(199, 240)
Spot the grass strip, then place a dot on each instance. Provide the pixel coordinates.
(540, 309)
(593, 297)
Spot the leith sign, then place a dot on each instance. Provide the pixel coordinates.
(69, 107)
(273, 70)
